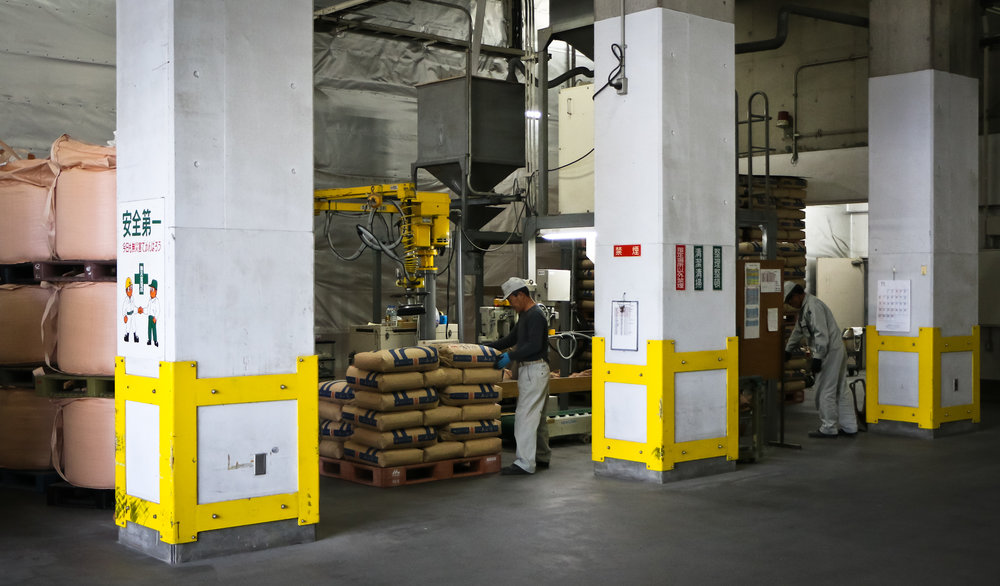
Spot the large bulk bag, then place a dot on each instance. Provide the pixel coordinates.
(86, 205)
(83, 442)
(22, 313)
(87, 328)
(26, 217)
(25, 430)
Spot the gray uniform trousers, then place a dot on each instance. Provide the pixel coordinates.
(834, 403)
(531, 431)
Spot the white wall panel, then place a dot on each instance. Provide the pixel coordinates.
(898, 378)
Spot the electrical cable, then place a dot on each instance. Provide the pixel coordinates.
(329, 241)
(505, 242)
(619, 54)
(573, 337)
(582, 157)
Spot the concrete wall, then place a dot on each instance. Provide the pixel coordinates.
(832, 98)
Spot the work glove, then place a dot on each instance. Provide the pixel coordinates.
(502, 361)
(817, 365)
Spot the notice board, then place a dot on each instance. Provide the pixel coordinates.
(760, 317)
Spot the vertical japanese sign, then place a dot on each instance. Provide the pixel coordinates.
(141, 284)
(751, 309)
(699, 268)
(681, 264)
(717, 268)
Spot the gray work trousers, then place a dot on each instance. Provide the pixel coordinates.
(834, 403)
(531, 430)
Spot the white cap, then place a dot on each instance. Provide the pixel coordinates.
(789, 287)
(512, 284)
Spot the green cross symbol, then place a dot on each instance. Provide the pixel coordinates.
(141, 278)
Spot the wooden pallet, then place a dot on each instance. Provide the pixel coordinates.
(22, 273)
(71, 386)
(17, 376)
(64, 494)
(76, 270)
(412, 474)
(33, 480)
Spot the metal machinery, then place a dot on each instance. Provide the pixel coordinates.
(423, 233)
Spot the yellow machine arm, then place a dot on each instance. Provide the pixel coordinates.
(424, 228)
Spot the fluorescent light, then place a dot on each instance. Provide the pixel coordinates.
(566, 233)
(533, 114)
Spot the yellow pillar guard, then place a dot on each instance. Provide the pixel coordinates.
(928, 345)
(661, 452)
(178, 392)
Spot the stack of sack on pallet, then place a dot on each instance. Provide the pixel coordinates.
(387, 413)
(413, 405)
(85, 221)
(334, 395)
(26, 225)
(469, 416)
(25, 430)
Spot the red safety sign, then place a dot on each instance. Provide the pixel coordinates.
(628, 250)
(681, 267)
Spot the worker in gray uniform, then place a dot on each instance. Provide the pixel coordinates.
(818, 329)
(529, 346)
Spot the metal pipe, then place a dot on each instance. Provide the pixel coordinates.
(782, 33)
(623, 81)
(542, 199)
(795, 98)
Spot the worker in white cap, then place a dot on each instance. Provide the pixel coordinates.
(817, 328)
(528, 344)
(129, 312)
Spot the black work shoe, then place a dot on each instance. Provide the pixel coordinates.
(847, 433)
(540, 464)
(821, 435)
(513, 470)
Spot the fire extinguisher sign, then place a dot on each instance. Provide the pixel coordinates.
(681, 256)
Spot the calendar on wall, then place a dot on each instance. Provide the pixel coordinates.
(893, 306)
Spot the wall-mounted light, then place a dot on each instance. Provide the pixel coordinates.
(588, 234)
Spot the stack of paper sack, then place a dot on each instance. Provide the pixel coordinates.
(413, 405)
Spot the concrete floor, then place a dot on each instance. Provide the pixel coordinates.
(873, 510)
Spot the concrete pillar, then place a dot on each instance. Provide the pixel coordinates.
(216, 414)
(664, 351)
(924, 164)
